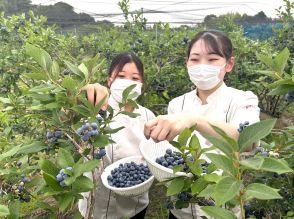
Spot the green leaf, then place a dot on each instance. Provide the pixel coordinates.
(85, 71)
(222, 162)
(218, 213)
(175, 186)
(194, 144)
(269, 73)
(184, 136)
(97, 108)
(225, 190)
(220, 144)
(5, 100)
(65, 158)
(42, 88)
(282, 89)
(52, 182)
(85, 167)
(127, 92)
(37, 76)
(46, 206)
(198, 186)
(181, 204)
(253, 133)
(212, 177)
(275, 165)
(9, 153)
(81, 110)
(32, 148)
(69, 83)
(178, 168)
(208, 192)
(112, 131)
(280, 60)
(132, 103)
(82, 184)
(48, 167)
(101, 141)
(280, 82)
(91, 64)
(40, 56)
(14, 209)
(254, 163)
(267, 60)
(55, 71)
(64, 201)
(233, 144)
(130, 114)
(4, 211)
(260, 191)
(74, 69)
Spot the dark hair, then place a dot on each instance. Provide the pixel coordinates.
(215, 41)
(119, 61)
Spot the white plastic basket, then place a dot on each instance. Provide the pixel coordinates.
(127, 191)
(152, 150)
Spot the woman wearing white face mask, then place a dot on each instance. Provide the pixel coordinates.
(126, 69)
(209, 58)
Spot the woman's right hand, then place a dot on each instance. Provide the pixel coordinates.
(95, 93)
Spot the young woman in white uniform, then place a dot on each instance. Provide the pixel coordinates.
(209, 58)
(126, 69)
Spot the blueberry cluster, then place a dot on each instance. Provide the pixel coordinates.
(88, 130)
(290, 96)
(19, 190)
(53, 136)
(204, 167)
(242, 126)
(169, 204)
(260, 150)
(66, 71)
(128, 174)
(184, 196)
(250, 211)
(101, 115)
(99, 154)
(173, 158)
(205, 202)
(170, 159)
(61, 176)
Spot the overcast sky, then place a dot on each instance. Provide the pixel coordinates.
(176, 11)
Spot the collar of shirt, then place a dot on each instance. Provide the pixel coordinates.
(212, 98)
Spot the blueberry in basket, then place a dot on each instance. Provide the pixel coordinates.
(173, 158)
(129, 174)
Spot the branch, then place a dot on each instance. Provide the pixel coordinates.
(77, 146)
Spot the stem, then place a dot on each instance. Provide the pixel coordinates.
(91, 198)
(77, 146)
(239, 178)
(242, 206)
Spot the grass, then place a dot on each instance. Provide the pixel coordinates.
(156, 208)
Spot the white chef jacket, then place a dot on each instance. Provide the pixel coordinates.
(225, 104)
(109, 205)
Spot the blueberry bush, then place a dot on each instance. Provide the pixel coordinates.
(64, 137)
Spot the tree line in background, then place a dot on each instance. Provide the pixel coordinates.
(62, 15)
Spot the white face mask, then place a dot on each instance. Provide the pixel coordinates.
(119, 85)
(205, 77)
